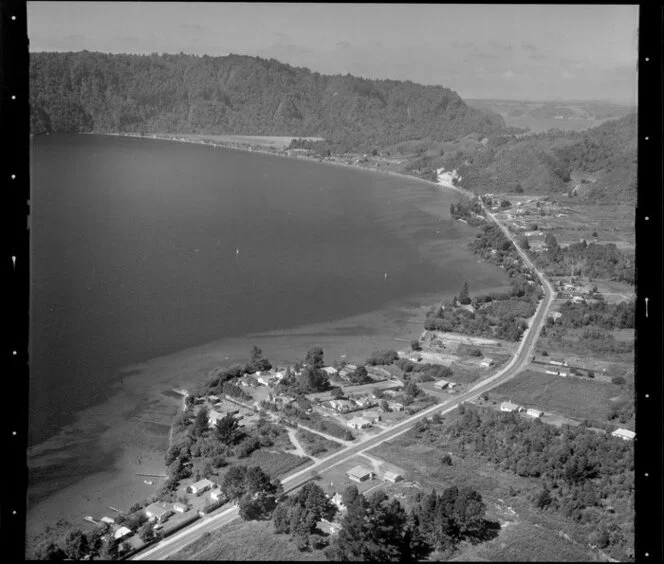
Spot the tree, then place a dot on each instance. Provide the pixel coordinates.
(523, 243)
(227, 429)
(551, 242)
(49, 550)
(75, 544)
(314, 500)
(360, 375)
(337, 392)
(314, 358)
(146, 533)
(233, 483)
(464, 297)
(415, 345)
(201, 422)
(256, 354)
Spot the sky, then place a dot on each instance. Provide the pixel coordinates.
(522, 52)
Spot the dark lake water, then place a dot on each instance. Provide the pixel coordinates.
(141, 248)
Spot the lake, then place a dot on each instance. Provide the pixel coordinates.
(141, 248)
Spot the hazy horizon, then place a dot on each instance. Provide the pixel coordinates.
(483, 52)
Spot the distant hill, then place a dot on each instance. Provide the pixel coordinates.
(599, 164)
(95, 92)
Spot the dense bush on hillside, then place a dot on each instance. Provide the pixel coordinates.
(544, 162)
(75, 92)
(581, 471)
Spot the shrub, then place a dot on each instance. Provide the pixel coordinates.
(618, 380)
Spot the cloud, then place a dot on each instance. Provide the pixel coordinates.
(480, 54)
(462, 44)
(76, 42)
(195, 27)
(500, 45)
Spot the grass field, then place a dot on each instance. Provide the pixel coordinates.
(580, 399)
(526, 542)
(246, 540)
(315, 445)
(275, 463)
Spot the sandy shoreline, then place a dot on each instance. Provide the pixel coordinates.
(92, 463)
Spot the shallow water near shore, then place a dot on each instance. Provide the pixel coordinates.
(143, 248)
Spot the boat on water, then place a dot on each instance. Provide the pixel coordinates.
(148, 482)
(90, 519)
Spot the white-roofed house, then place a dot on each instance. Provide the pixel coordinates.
(509, 407)
(329, 370)
(360, 473)
(158, 512)
(441, 384)
(214, 416)
(534, 413)
(180, 507)
(122, 533)
(201, 486)
(108, 520)
(487, 362)
(216, 494)
(624, 434)
(359, 423)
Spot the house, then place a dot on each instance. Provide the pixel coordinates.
(336, 499)
(108, 520)
(393, 476)
(214, 416)
(122, 533)
(624, 434)
(180, 507)
(535, 413)
(364, 402)
(555, 315)
(329, 370)
(329, 527)
(159, 512)
(578, 300)
(201, 486)
(360, 473)
(378, 372)
(216, 494)
(213, 399)
(486, 362)
(341, 405)
(562, 374)
(395, 406)
(263, 379)
(441, 384)
(359, 423)
(553, 372)
(509, 407)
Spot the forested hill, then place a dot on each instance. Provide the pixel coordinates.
(96, 92)
(599, 163)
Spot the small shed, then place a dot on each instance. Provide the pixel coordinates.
(441, 384)
(487, 362)
(216, 494)
(108, 520)
(534, 413)
(393, 477)
(360, 473)
(180, 507)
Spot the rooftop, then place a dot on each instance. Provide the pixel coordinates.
(360, 471)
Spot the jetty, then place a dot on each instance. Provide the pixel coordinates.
(151, 476)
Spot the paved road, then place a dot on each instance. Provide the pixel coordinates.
(176, 542)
